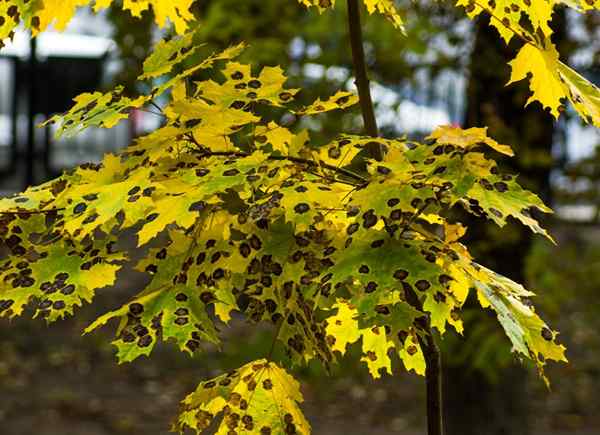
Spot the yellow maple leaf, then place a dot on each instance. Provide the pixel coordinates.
(551, 81)
(545, 82)
(467, 138)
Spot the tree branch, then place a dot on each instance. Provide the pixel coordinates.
(362, 80)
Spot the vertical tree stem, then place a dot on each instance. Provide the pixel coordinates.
(433, 379)
(433, 372)
(362, 80)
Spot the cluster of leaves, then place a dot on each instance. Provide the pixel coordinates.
(236, 212)
(38, 15)
(552, 82)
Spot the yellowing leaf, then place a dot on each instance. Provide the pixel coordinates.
(176, 11)
(552, 82)
(340, 100)
(506, 15)
(545, 82)
(467, 138)
(258, 398)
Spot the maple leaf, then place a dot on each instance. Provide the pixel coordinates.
(506, 15)
(259, 397)
(551, 82)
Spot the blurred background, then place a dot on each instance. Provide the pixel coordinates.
(448, 70)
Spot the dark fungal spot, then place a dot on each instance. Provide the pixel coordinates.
(401, 274)
(202, 172)
(181, 297)
(238, 75)
(495, 212)
(90, 219)
(254, 84)
(383, 170)
(207, 297)
(6, 304)
(444, 279)
(393, 202)
(180, 321)
(382, 309)
(215, 257)
(416, 202)
(352, 228)
(237, 104)
(439, 297)
(80, 208)
(181, 311)
(363, 269)
(353, 211)
(370, 287)
(329, 250)
(197, 206)
(301, 208)
(148, 191)
(396, 215)
(501, 186)
(208, 385)
(377, 243)
(285, 96)
(45, 304)
(430, 257)
(486, 184)
(136, 308)
(547, 334)
(68, 289)
(192, 345)
(144, 341)
(140, 330)
(245, 250)
(151, 217)
(255, 242)
(59, 305)
(127, 337)
(422, 285)
(231, 172)
(369, 219)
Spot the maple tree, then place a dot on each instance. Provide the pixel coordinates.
(235, 210)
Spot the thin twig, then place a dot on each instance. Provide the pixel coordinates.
(299, 160)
